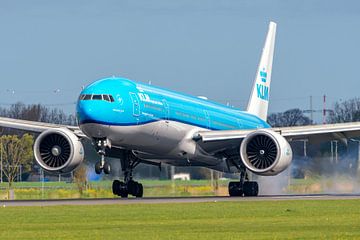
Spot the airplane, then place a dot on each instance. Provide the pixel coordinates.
(142, 124)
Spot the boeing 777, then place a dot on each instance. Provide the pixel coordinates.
(143, 124)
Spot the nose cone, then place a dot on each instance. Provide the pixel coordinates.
(86, 112)
(92, 120)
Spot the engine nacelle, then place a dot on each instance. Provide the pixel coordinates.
(58, 150)
(265, 152)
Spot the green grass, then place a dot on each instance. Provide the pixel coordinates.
(103, 189)
(108, 183)
(339, 219)
(166, 188)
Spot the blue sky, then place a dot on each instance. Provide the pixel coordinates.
(50, 49)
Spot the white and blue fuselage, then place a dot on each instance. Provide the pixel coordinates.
(155, 123)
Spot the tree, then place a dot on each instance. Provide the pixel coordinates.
(15, 152)
(291, 117)
(80, 178)
(345, 111)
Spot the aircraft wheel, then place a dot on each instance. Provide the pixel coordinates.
(235, 190)
(140, 191)
(123, 191)
(116, 187)
(107, 168)
(98, 168)
(251, 189)
(132, 187)
(135, 188)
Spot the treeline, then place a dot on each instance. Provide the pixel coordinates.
(37, 112)
(343, 111)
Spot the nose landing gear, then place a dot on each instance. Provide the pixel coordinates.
(102, 165)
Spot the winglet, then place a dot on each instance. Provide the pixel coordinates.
(259, 99)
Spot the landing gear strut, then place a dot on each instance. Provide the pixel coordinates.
(102, 165)
(129, 186)
(244, 187)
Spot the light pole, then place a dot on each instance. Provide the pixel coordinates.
(358, 162)
(1, 161)
(1, 157)
(172, 170)
(334, 159)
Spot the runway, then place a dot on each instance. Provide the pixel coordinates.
(107, 201)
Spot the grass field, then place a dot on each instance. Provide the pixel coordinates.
(332, 219)
(103, 189)
(167, 188)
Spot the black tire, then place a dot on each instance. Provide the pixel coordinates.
(136, 189)
(98, 168)
(116, 187)
(132, 187)
(251, 189)
(123, 191)
(140, 191)
(107, 168)
(235, 189)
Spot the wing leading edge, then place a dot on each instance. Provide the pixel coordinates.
(34, 126)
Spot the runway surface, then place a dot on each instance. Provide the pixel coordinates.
(174, 200)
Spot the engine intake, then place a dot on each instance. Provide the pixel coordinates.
(265, 152)
(58, 150)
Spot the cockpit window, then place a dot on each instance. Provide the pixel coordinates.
(87, 97)
(96, 97)
(105, 97)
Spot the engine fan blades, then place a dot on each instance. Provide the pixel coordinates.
(261, 151)
(55, 150)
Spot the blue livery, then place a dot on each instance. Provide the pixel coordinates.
(122, 102)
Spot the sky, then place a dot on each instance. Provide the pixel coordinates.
(49, 50)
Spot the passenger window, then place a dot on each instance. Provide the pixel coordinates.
(87, 97)
(96, 97)
(106, 97)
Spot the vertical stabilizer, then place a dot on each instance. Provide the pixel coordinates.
(259, 99)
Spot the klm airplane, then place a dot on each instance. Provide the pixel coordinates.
(143, 124)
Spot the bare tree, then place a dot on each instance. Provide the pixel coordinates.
(346, 111)
(15, 152)
(291, 117)
(38, 112)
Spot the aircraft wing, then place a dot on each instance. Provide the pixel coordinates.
(34, 126)
(212, 140)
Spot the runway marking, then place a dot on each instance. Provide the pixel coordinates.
(107, 201)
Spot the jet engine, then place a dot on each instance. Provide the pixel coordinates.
(58, 150)
(265, 152)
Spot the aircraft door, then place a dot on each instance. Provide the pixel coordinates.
(136, 104)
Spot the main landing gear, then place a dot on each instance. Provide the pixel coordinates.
(102, 165)
(244, 187)
(128, 186)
